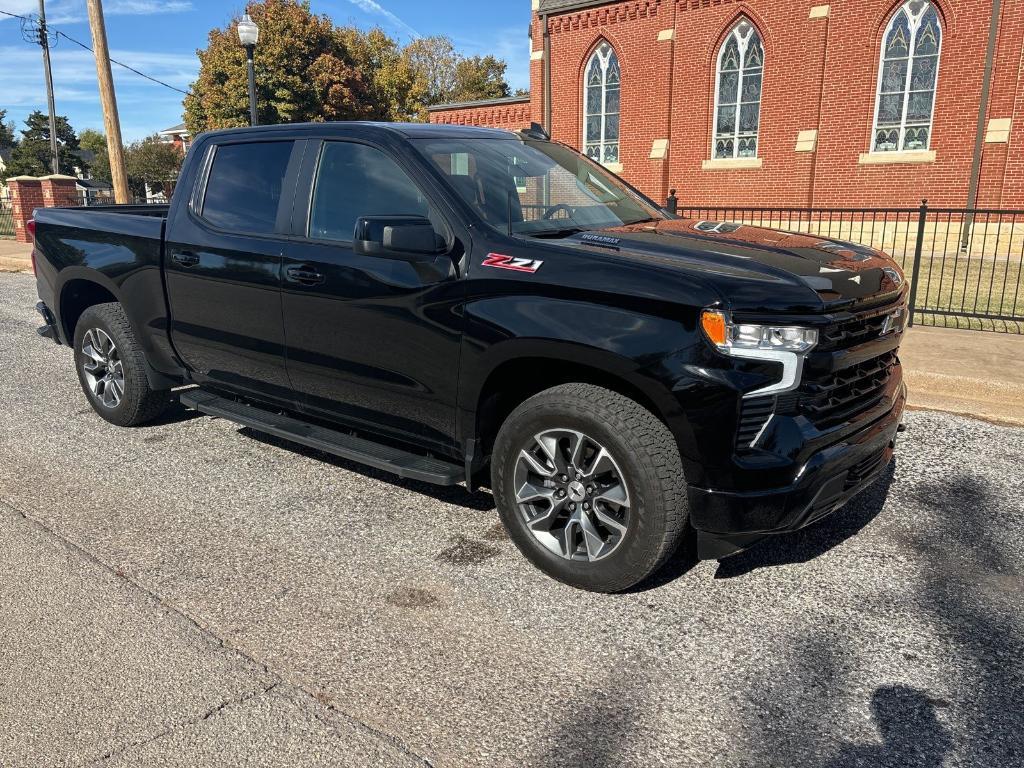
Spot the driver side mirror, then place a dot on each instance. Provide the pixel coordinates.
(411, 238)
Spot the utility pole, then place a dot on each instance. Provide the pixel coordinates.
(111, 122)
(44, 42)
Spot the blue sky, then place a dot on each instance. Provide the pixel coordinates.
(160, 37)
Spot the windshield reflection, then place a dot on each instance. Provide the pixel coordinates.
(535, 188)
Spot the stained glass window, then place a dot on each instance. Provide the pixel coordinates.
(738, 92)
(908, 74)
(601, 105)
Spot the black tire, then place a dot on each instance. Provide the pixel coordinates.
(138, 403)
(648, 460)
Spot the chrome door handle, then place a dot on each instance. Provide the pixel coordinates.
(304, 275)
(185, 258)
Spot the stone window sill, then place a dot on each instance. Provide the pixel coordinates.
(613, 167)
(731, 163)
(887, 158)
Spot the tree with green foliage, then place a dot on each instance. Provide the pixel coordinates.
(445, 75)
(433, 60)
(480, 77)
(93, 141)
(394, 92)
(303, 72)
(151, 161)
(31, 155)
(309, 70)
(7, 140)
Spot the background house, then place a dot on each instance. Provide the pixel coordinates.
(177, 135)
(872, 103)
(5, 156)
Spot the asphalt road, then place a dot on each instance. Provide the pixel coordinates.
(190, 593)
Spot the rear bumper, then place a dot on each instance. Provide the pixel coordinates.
(49, 328)
(729, 522)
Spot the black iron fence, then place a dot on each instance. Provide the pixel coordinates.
(964, 265)
(6, 218)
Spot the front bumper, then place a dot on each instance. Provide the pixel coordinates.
(729, 522)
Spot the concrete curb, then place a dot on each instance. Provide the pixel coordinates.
(15, 264)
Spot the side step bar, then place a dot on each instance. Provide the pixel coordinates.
(402, 463)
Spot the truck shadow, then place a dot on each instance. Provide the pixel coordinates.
(911, 733)
(964, 585)
(817, 539)
(176, 413)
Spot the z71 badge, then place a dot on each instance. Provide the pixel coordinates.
(511, 262)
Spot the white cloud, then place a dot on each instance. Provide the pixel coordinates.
(144, 106)
(372, 6)
(73, 11)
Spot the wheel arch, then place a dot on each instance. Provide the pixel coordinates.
(527, 368)
(79, 291)
(82, 288)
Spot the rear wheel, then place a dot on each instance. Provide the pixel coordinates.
(112, 368)
(590, 486)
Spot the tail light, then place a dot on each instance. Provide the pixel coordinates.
(30, 225)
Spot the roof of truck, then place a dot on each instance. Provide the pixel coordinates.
(409, 130)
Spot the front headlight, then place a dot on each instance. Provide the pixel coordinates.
(777, 343)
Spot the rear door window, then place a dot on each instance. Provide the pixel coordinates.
(243, 191)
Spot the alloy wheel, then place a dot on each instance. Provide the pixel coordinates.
(103, 369)
(572, 495)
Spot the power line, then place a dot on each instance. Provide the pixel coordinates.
(111, 60)
(120, 64)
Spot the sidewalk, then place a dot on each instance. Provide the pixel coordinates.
(975, 373)
(15, 256)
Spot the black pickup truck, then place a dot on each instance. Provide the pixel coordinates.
(442, 301)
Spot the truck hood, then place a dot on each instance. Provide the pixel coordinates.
(802, 271)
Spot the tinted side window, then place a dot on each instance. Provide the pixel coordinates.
(244, 188)
(356, 180)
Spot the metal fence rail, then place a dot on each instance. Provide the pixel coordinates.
(965, 265)
(6, 217)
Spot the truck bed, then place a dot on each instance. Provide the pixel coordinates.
(117, 248)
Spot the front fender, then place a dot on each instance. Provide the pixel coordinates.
(620, 343)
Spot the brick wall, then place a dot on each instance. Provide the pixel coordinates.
(513, 116)
(26, 196)
(820, 74)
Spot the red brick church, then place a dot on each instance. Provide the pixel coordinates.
(873, 103)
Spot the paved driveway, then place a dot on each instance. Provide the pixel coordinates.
(191, 593)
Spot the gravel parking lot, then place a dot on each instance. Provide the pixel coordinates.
(192, 593)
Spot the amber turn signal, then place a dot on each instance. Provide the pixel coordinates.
(713, 323)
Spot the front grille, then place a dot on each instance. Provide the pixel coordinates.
(855, 330)
(826, 400)
(754, 415)
(837, 397)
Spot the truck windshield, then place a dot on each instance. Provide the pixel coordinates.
(535, 188)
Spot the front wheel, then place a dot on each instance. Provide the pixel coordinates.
(112, 368)
(590, 486)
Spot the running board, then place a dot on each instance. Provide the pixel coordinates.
(388, 458)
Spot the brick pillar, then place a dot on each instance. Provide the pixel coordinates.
(59, 190)
(26, 196)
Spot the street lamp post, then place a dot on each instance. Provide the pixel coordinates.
(248, 35)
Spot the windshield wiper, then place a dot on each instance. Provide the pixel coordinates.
(556, 233)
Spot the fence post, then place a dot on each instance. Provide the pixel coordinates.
(672, 204)
(922, 218)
